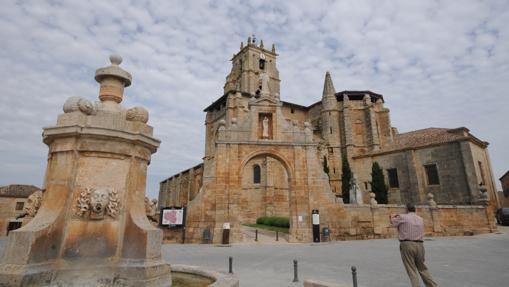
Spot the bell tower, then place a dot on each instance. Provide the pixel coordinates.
(254, 71)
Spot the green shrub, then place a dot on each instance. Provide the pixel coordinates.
(274, 221)
(261, 220)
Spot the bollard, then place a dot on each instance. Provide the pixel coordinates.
(277, 235)
(256, 235)
(230, 265)
(295, 271)
(354, 276)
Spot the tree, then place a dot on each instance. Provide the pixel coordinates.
(378, 185)
(346, 175)
(325, 165)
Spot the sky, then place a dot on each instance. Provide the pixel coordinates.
(437, 63)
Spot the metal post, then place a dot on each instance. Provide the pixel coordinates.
(277, 235)
(230, 265)
(256, 235)
(354, 276)
(295, 271)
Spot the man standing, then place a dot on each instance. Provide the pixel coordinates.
(411, 234)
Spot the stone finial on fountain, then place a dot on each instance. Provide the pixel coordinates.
(78, 104)
(431, 201)
(372, 200)
(137, 114)
(113, 80)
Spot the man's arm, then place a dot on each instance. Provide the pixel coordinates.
(395, 219)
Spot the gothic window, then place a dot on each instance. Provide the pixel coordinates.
(432, 174)
(393, 178)
(256, 174)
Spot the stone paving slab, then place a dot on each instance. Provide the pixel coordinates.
(473, 261)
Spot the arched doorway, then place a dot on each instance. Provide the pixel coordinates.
(265, 189)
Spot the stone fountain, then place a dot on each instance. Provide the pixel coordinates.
(91, 229)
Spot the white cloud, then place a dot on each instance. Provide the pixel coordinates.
(438, 63)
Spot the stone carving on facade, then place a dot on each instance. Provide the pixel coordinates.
(74, 104)
(431, 201)
(265, 128)
(33, 203)
(355, 191)
(96, 203)
(264, 84)
(221, 131)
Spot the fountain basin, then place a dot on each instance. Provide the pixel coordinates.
(194, 276)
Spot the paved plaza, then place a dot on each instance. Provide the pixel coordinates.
(471, 261)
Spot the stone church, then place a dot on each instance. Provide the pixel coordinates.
(265, 156)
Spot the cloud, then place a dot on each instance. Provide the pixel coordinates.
(437, 63)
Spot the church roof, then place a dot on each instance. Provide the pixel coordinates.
(428, 137)
(17, 190)
(352, 95)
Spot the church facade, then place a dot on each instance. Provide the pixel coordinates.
(266, 157)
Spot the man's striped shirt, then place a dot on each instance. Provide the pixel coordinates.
(410, 226)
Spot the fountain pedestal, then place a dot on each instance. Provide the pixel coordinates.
(91, 229)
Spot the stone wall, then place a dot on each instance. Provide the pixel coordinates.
(366, 222)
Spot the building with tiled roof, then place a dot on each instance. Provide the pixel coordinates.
(13, 199)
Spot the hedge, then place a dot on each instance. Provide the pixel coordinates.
(274, 221)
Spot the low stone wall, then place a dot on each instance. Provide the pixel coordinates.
(369, 222)
(173, 235)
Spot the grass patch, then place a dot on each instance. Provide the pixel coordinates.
(271, 228)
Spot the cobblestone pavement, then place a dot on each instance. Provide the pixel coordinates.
(472, 261)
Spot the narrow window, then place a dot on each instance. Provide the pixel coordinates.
(262, 64)
(20, 205)
(366, 185)
(334, 170)
(330, 130)
(256, 174)
(483, 182)
(393, 178)
(292, 111)
(432, 174)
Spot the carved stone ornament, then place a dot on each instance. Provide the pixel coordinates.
(96, 203)
(151, 208)
(73, 104)
(137, 114)
(33, 203)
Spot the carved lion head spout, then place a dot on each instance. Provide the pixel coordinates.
(96, 203)
(99, 200)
